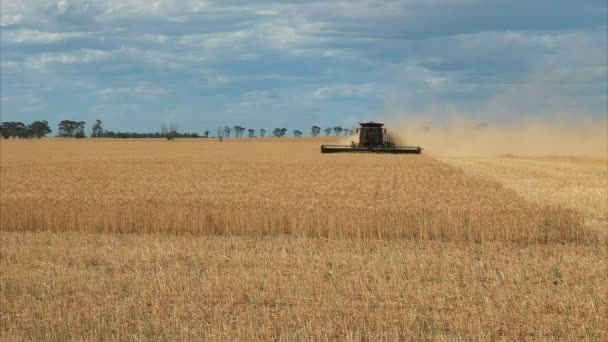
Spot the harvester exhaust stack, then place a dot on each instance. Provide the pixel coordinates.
(372, 138)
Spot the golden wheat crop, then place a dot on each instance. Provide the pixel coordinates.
(261, 188)
(271, 240)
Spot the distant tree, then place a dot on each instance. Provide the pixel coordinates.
(79, 131)
(347, 132)
(206, 134)
(65, 129)
(172, 131)
(7, 130)
(279, 132)
(262, 132)
(297, 133)
(327, 131)
(24, 132)
(15, 130)
(164, 130)
(238, 131)
(71, 129)
(315, 130)
(40, 129)
(97, 130)
(227, 131)
(338, 130)
(220, 133)
(251, 133)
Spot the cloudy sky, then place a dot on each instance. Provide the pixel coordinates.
(136, 64)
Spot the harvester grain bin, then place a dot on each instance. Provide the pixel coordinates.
(372, 138)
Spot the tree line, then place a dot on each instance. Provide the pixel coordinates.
(237, 131)
(76, 129)
(36, 129)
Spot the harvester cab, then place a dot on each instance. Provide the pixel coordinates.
(372, 138)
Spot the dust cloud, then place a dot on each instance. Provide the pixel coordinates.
(465, 138)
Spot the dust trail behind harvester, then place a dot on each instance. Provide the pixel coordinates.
(464, 138)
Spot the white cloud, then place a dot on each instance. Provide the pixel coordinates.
(215, 41)
(346, 90)
(10, 19)
(43, 61)
(178, 10)
(157, 38)
(35, 36)
(138, 90)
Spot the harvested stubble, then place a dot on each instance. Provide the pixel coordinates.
(75, 286)
(579, 183)
(261, 188)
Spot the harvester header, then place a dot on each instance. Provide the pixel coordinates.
(372, 138)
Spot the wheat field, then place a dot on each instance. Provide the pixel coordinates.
(262, 188)
(268, 239)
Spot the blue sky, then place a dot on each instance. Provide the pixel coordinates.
(137, 64)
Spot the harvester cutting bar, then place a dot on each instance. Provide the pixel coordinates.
(378, 149)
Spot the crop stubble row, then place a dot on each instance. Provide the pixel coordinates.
(77, 286)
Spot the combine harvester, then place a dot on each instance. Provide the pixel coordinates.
(372, 138)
